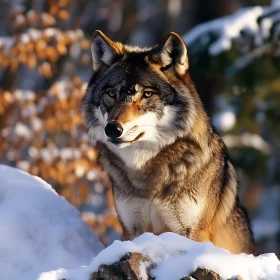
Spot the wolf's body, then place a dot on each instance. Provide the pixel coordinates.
(168, 167)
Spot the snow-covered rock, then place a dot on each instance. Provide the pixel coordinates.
(171, 257)
(39, 230)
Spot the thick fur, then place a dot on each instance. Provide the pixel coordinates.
(169, 168)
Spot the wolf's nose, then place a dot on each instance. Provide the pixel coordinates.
(113, 130)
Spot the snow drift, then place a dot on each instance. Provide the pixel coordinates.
(39, 230)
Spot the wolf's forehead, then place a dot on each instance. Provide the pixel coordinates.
(138, 87)
(130, 89)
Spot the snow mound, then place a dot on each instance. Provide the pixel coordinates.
(176, 256)
(39, 230)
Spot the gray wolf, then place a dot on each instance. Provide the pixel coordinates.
(168, 167)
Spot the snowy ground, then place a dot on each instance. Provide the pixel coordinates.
(43, 238)
(39, 230)
(176, 257)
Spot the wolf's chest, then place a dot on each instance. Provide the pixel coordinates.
(139, 215)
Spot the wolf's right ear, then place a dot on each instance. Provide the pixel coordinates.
(171, 51)
(104, 51)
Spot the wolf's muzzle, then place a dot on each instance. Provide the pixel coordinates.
(113, 130)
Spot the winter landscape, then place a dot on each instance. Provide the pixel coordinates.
(58, 219)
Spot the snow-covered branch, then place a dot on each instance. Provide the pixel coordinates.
(254, 25)
(254, 141)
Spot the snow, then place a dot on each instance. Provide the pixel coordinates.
(23, 165)
(92, 175)
(22, 130)
(176, 257)
(229, 27)
(61, 88)
(224, 120)
(67, 153)
(143, 271)
(39, 231)
(247, 139)
(43, 238)
(36, 123)
(24, 95)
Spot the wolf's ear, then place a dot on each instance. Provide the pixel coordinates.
(104, 51)
(172, 50)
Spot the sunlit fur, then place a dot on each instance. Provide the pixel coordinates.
(168, 168)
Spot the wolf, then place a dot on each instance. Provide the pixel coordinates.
(168, 167)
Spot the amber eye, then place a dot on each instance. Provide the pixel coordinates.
(111, 93)
(147, 94)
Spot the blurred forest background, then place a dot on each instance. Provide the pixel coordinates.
(45, 63)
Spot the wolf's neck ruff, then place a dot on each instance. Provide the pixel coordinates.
(168, 168)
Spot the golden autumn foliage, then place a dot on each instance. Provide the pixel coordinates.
(42, 131)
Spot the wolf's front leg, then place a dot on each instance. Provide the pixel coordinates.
(131, 233)
(130, 213)
(125, 234)
(196, 234)
(187, 218)
(192, 232)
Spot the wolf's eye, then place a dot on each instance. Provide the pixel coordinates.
(111, 93)
(147, 94)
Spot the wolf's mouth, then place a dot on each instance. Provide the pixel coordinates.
(120, 141)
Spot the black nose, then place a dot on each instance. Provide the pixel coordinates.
(113, 130)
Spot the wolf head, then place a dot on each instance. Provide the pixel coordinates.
(141, 98)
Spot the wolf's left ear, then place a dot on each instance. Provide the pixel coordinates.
(104, 51)
(172, 50)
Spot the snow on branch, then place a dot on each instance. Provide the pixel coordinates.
(254, 24)
(248, 140)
